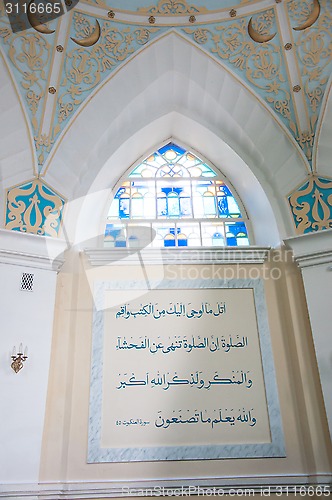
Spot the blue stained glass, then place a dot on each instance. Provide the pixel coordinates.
(120, 243)
(169, 241)
(209, 205)
(174, 184)
(217, 239)
(124, 208)
(231, 240)
(185, 205)
(171, 146)
(162, 205)
(173, 205)
(223, 206)
(182, 241)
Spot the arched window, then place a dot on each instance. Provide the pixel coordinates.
(174, 199)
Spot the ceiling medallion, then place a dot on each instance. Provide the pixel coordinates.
(110, 14)
(192, 19)
(311, 19)
(288, 46)
(152, 19)
(51, 90)
(296, 88)
(91, 39)
(59, 48)
(232, 13)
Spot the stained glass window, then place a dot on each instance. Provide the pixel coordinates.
(175, 199)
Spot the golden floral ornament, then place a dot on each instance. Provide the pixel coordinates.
(91, 39)
(34, 207)
(260, 64)
(85, 68)
(260, 35)
(312, 18)
(172, 7)
(311, 205)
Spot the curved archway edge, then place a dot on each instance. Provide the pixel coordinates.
(172, 89)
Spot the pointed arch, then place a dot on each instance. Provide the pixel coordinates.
(173, 89)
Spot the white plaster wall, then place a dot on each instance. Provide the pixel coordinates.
(313, 253)
(318, 288)
(25, 317)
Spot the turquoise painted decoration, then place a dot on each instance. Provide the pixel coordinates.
(34, 208)
(312, 32)
(311, 205)
(29, 55)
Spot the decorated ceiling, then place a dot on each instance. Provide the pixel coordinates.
(280, 49)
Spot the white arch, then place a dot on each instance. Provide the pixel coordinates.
(173, 89)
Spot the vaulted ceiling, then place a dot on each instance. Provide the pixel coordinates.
(279, 51)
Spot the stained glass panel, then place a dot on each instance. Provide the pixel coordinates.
(176, 186)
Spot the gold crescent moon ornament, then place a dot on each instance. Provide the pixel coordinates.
(91, 39)
(311, 19)
(35, 22)
(258, 37)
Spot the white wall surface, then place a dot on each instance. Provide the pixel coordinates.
(313, 252)
(27, 317)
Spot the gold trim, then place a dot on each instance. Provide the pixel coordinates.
(48, 84)
(43, 169)
(300, 184)
(174, 22)
(299, 73)
(100, 4)
(311, 175)
(293, 55)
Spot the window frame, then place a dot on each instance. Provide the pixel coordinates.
(127, 222)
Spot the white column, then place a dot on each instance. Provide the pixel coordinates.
(313, 254)
(27, 317)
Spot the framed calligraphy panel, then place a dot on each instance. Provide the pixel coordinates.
(184, 371)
